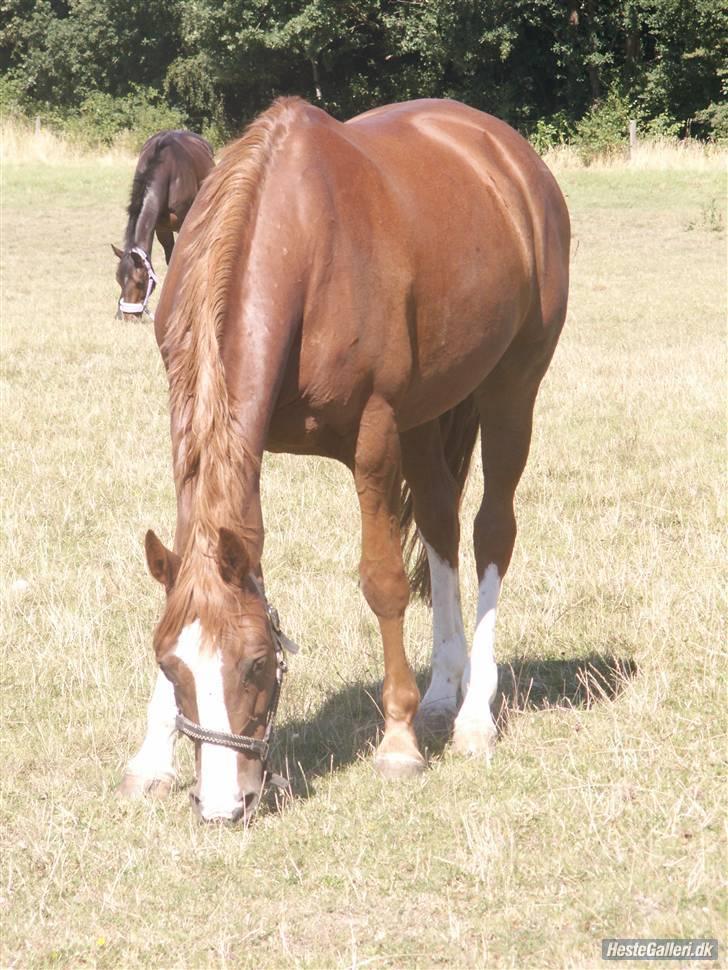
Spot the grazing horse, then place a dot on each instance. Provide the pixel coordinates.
(168, 175)
(376, 291)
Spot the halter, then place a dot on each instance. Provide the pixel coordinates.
(125, 307)
(241, 742)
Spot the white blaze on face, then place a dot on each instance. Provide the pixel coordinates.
(218, 788)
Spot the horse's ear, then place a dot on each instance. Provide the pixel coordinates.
(232, 558)
(119, 252)
(163, 563)
(136, 259)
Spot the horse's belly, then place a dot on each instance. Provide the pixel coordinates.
(422, 371)
(457, 368)
(423, 348)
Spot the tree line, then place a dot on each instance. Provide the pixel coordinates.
(546, 66)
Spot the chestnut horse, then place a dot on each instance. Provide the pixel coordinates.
(168, 175)
(378, 292)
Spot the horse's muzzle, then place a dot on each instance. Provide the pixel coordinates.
(242, 812)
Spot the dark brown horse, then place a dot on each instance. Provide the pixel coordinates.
(168, 175)
(376, 292)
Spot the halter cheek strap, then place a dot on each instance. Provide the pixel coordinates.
(152, 281)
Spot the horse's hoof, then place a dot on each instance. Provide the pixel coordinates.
(394, 766)
(475, 739)
(137, 786)
(435, 722)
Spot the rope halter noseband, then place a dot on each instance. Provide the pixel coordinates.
(125, 307)
(241, 742)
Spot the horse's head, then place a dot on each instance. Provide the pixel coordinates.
(221, 651)
(137, 280)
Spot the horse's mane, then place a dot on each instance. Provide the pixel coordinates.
(211, 458)
(140, 184)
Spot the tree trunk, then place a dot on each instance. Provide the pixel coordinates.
(316, 79)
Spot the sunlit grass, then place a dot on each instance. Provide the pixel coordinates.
(23, 141)
(650, 154)
(601, 813)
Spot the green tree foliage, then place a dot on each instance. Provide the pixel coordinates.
(58, 54)
(541, 64)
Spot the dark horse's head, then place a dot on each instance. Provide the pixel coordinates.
(137, 280)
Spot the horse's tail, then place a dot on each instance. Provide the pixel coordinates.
(459, 431)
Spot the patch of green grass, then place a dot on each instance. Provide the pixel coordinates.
(601, 813)
(712, 218)
(70, 185)
(645, 190)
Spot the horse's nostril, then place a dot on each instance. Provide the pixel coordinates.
(247, 809)
(244, 811)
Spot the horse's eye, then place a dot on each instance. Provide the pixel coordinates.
(249, 669)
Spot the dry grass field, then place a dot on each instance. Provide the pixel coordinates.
(602, 812)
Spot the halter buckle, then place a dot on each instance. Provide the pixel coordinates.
(275, 620)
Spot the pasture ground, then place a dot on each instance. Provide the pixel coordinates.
(601, 812)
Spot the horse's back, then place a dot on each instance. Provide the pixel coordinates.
(184, 149)
(449, 236)
(176, 136)
(178, 162)
(454, 158)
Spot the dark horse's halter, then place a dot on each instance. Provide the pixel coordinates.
(241, 742)
(125, 307)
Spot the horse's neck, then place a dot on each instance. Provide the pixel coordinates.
(143, 231)
(253, 365)
(246, 500)
(263, 299)
(217, 473)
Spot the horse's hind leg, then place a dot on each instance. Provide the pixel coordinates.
(384, 583)
(505, 402)
(151, 770)
(436, 498)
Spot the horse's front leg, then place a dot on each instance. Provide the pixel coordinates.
(151, 771)
(384, 583)
(166, 241)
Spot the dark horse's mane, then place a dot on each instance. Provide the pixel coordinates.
(142, 179)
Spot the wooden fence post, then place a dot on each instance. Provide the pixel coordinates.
(632, 138)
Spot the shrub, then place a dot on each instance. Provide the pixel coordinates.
(604, 129)
(127, 121)
(663, 126)
(10, 98)
(550, 132)
(713, 121)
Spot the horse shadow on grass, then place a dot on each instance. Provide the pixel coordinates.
(348, 725)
